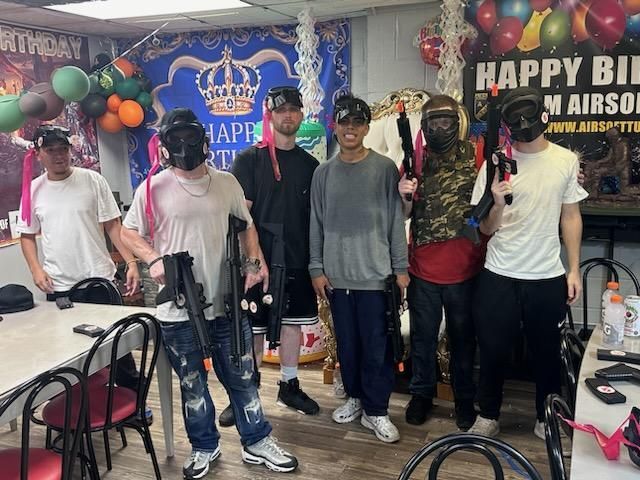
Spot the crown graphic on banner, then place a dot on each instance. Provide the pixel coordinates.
(228, 87)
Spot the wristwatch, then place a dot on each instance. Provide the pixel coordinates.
(251, 265)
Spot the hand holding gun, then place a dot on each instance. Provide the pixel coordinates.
(404, 130)
(494, 158)
(392, 312)
(182, 289)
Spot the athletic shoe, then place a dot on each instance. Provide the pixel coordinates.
(291, 395)
(381, 426)
(417, 410)
(227, 418)
(465, 414)
(197, 465)
(486, 427)
(269, 453)
(347, 412)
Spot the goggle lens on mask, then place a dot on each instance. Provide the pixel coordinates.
(189, 135)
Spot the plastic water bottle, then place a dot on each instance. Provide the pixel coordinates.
(613, 326)
(612, 289)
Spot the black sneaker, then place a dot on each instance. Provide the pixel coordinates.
(418, 409)
(465, 414)
(197, 465)
(291, 395)
(227, 418)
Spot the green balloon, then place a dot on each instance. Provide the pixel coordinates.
(116, 74)
(94, 83)
(93, 105)
(555, 29)
(70, 83)
(128, 89)
(144, 99)
(11, 118)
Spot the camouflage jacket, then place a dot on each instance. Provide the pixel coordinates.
(444, 195)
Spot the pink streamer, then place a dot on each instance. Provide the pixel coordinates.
(269, 142)
(27, 175)
(152, 149)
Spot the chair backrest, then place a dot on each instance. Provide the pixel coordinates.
(74, 427)
(612, 266)
(96, 290)
(554, 405)
(445, 446)
(150, 332)
(571, 353)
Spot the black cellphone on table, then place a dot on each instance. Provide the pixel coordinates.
(88, 330)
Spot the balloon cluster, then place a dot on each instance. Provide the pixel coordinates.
(118, 95)
(430, 39)
(530, 24)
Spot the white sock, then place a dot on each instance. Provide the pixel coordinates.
(288, 373)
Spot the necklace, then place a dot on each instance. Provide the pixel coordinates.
(191, 193)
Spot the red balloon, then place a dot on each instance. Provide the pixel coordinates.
(540, 5)
(430, 51)
(486, 16)
(506, 35)
(606, 23)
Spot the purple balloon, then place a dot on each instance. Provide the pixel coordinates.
(32, 104)
(54, 103)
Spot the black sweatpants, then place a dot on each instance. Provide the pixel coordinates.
(501, 306)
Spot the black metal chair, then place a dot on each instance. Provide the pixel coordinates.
(486, 446)
(554, 405)
(39, 463)
(589, 265)
(112, 406)
(571, 353)
(96, 290)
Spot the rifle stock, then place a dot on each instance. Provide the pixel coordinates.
(182, 289)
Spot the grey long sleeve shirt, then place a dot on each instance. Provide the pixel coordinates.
(357, 233)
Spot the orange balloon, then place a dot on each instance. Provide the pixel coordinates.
(110, 122)
(579, 29)
(631, 7)
(131, 113)
(125, 66)
(113, 102)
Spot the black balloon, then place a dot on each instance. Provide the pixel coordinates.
(93, 105)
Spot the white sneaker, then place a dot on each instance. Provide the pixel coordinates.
(348, 412)
(486, 427)
(381, 426)
(197, 465)
(538, 430)
(268, 452)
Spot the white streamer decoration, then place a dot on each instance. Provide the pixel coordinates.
(309, 65)
(454, 32)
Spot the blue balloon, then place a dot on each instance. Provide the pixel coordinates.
(633, 25)
(515, 8)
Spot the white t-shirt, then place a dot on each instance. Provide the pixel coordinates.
(199, 225)
(527, 244)
(69, 215)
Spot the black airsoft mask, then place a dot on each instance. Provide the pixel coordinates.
(524, 112)
(440, 128)
(351, 107)
(278, 96)
(184, 144)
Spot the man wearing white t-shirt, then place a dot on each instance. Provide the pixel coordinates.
(524, 281)
(188, 209)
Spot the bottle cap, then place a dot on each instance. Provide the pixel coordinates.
(613, 285)
(616, 298)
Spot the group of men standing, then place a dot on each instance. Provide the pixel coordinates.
(343, 228)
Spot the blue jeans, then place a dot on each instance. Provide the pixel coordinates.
(239, 382)
(426, 300)
(364, 347)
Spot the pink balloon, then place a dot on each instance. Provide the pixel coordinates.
(540, 5)
(606, 23)
(506, 35)
(486, 16)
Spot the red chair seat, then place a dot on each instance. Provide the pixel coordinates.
(124, 405)
(43, 464)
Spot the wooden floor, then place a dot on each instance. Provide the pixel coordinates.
(325, 450)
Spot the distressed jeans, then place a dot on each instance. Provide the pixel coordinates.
(239, 382)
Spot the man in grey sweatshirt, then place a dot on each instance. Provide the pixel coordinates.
(357, 239)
